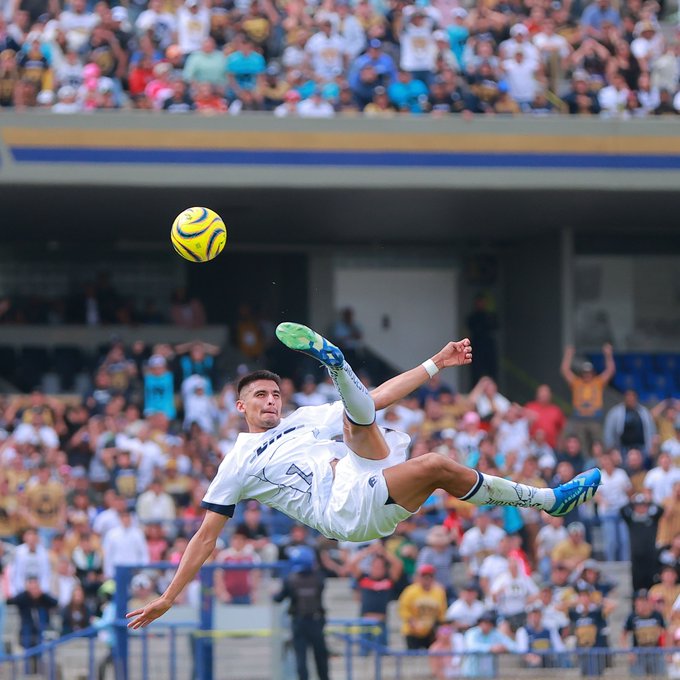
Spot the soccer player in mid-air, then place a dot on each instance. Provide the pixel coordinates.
(356, 489)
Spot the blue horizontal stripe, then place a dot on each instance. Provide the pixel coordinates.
(345, 158)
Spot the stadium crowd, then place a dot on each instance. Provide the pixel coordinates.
(116, 476)
(341, 57)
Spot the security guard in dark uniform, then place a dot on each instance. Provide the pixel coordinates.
(304, 587)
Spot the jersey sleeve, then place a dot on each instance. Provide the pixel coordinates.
(224, 492)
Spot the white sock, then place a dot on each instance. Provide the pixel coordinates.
(358, 403)
(490, 490)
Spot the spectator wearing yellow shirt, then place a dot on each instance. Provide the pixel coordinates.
(422, 605)
(587, 392)
(46, 503)
(574, 549)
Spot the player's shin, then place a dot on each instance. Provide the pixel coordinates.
(359, 404)
(490, 490)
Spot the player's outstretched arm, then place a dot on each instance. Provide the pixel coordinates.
(452, 354)
(198, 551)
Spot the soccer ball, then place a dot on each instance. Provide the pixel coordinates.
(198, 234)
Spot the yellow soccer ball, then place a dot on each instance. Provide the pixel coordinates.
(198, 234)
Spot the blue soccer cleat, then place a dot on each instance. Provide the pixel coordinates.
(298, 337)
(579, 490)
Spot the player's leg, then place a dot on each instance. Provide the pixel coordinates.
(411, 483)
(361, 433)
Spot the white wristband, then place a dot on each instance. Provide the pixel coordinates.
(430, 367)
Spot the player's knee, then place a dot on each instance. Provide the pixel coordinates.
(432, 465)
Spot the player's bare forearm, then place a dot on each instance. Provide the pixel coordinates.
(453, 354)
(198, 551)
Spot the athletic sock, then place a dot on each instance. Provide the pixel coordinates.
(490, 490)
(358, 403)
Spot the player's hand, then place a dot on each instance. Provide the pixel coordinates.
(455, 354)
(145, 615)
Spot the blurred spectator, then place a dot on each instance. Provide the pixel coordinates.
(422, 605)
(659, 481)
(551, 534)
(124, 545)
(587, 393)
(635, 467)
(642, 518)
(46, 505)
(237, 586)
(512, 592)
(30, 561)
(544, 415)
(665, 593)
(35, 606)
(589, 625)
(76, 615)
(615, 489)
(376, 585)
(466, 610)
(573, 550)
(535, 640)
(645, 628)
(629, 425)
(440, 552)
(255, 530)
(484, 641)
(155, 505)
(159, 396)
(669, 526)
(479, 541)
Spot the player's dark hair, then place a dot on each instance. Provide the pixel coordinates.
(257, 375)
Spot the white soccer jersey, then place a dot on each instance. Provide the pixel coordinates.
(288, 468)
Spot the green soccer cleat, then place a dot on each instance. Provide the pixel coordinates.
(302, 339)
(579, 490)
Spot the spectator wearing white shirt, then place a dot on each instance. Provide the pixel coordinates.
(648, 44)
(488, 401)
(649, 99)
(614, 96)
(309, 394)
(30, 560)
(467, 440)
(616, 487)
(327, 51)
(553, 616)
(513, 435)
(467, 609)
(551, 44)
(162, 25)
(512, 591)
(479, 541)
(660, 479)
(549, 535)
(77, 23)
(672, 446)
(193, 26)
(199, 407)
(418, 46)
(494, 565)
(520, 75)
(347, 26)
(124, 545)
(109, 518)
(146, 454)
(519, 42)
(156, 505)
(315, 107)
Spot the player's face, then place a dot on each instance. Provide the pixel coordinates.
(260, 402)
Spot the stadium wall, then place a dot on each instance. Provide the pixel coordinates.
(152, 150)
